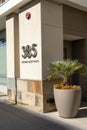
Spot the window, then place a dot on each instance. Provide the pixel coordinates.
(3, 71)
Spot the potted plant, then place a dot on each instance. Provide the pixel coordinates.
(67, 97)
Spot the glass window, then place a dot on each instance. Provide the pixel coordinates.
(3, 71)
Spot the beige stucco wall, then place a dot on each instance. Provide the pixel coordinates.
(46, 26)
(74, 21)
(30, 33)
(52, 34)
(12, 46)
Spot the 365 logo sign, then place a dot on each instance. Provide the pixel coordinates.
(29, 51)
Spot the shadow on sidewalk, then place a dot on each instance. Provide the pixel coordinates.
(13, 117)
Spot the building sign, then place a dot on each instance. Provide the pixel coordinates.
(28, 52)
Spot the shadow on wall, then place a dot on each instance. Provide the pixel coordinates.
(83, 84)
(81, 80)
(83, 110)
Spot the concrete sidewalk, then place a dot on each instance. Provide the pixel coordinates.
(80, 121)
(14, 117)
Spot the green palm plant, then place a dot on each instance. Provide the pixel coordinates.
(65, 69)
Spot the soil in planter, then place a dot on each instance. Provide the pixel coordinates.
(62, 86)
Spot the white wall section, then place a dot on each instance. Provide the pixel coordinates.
(30, 33)
(10, 47)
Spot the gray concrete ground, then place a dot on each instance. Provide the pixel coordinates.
(14, 117)
(80, 121)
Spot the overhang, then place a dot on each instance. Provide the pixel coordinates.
(8, 7)
(13, 5)
(79, 4)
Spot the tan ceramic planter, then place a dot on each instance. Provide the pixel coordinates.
(67, 102)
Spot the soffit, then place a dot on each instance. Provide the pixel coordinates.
(71, 37)
(10, 10)
(79, 4)
(10, 7)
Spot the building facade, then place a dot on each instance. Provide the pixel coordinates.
(34, 33)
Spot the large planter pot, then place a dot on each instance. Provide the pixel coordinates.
(67, 102)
